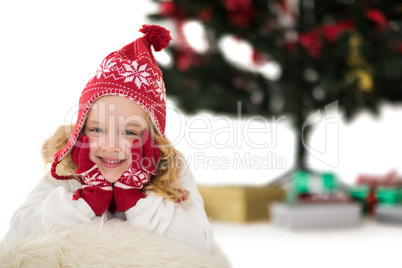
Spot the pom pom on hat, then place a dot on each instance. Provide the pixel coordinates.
(157, 36)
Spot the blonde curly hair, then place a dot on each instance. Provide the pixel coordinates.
(165, 183)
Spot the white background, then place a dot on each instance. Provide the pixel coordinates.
(50, 49)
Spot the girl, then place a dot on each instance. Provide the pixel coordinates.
(117, 161)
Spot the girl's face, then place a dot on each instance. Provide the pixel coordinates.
(113, 123)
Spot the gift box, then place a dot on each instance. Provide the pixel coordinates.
(389, 205)
(365, 196)
(304, 182)
(389, 214)
(321, 187)
(239, 203)
(327, 215)
(374, 191)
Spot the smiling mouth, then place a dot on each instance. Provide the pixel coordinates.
(111, 162)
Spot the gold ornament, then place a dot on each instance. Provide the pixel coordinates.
(360, 71)
(362, 77)
(355, 58)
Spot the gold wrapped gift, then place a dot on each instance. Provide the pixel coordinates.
(239, 203)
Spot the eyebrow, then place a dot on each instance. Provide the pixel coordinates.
(134, 124)
(92, 122)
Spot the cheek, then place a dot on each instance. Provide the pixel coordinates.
(126, 143)
(127, 152)
(93, 148)
(128, 140)
(92, 154)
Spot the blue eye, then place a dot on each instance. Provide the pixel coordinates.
(130, 133)
(97, 130)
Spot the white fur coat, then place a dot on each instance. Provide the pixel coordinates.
(108, 244)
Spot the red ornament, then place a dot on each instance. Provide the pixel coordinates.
(207, 13)
(168, 9)
(258, 58)
(184, 59)
(239, 12)
(378, 17)
(312, 40)
(331, 32)
(187, 57)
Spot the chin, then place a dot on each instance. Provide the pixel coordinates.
(112, 178)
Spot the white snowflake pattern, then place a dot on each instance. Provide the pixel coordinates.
(134, 178)
(97, 179)
(135, 72)
(105, 67)
(93, 177)
(161, 89)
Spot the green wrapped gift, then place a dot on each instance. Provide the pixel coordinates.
(374, 197)
(306, 183)
(389, 196)
(359, 192)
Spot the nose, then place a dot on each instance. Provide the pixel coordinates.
(111, 143)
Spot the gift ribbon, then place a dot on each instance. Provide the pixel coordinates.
(372, 197)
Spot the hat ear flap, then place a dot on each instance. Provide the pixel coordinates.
(53, 171)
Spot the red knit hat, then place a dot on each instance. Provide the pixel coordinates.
(131, 72)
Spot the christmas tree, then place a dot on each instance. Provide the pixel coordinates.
(348, 51)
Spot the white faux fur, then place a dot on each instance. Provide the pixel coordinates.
(109, 243)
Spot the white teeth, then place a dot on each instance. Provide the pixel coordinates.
(112, 162)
